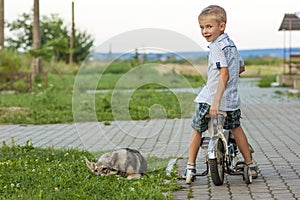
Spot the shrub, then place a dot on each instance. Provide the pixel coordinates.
(266, 81)
(11, 61)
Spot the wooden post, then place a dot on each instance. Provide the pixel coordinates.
(1, 24)
(284, 52)
(72, 36)
(290, 46)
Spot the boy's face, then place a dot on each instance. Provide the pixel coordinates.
(210, 28)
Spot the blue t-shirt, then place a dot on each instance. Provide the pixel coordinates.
(223, 53)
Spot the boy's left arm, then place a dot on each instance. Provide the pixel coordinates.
(224, 76)
(242, 69)
(242, 64)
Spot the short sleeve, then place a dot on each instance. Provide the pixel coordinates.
(218, 57)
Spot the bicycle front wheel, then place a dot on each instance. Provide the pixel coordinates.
(217, 165)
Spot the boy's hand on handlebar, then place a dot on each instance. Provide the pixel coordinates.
(214, 111)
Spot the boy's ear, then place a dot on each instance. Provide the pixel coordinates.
(223, 26)
(90, 164)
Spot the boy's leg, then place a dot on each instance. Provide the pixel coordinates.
(199, 125)
(190, 170)
(195, 142)
(242, 142)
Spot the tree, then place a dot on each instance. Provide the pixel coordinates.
(36, 65)
(72, 36)
(55, 43)
(22, 33)
(1, 24)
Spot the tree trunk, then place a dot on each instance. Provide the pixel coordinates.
(36, 62)
(1, 24)
(72, 36)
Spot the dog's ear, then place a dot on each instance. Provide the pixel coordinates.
(90, 164)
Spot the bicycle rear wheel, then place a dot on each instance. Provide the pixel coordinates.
(217, 165)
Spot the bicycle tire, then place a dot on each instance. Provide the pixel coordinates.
(217, 165)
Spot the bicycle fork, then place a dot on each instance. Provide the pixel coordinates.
(215, 128)
(213, 146)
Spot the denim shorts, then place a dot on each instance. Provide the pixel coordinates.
(200, 122)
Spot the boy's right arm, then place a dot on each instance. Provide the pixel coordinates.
(215, 107)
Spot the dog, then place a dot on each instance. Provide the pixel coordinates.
(125, 162)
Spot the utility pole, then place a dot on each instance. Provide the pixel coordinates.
(1, 24)
(36, 61)
(72, 36)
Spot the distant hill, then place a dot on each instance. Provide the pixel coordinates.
(274, 52)
(277, 52)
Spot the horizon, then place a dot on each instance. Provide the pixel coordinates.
(254, 49)
(267, 52)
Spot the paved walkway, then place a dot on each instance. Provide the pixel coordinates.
(271, 122)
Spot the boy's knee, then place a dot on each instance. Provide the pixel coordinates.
(236, 129)
(196, 132)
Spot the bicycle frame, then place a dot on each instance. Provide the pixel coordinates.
(221, 154)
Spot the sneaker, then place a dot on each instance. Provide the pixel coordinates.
(189, 175)
(253, 169)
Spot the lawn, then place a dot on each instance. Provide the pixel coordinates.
(56, 101)
(27, 172)
(146, 92)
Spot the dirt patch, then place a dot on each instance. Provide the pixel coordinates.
(183, 69)
(11, 112)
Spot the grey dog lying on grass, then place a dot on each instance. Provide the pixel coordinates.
(125, 162)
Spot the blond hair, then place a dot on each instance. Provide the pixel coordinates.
(214, 11)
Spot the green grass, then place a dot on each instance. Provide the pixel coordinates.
(266, 81)
(288, 94)
(261, 71)
(27, 172)
(112, 76)
(145, 104)
(40, 107)
(52, 103)
(267, 61)
(50, 106)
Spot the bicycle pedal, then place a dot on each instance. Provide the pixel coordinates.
(240, 163)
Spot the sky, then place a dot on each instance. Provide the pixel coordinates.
(251, 24)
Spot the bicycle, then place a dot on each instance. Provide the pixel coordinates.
(222, 153)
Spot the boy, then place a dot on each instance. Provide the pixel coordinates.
(221, 90)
